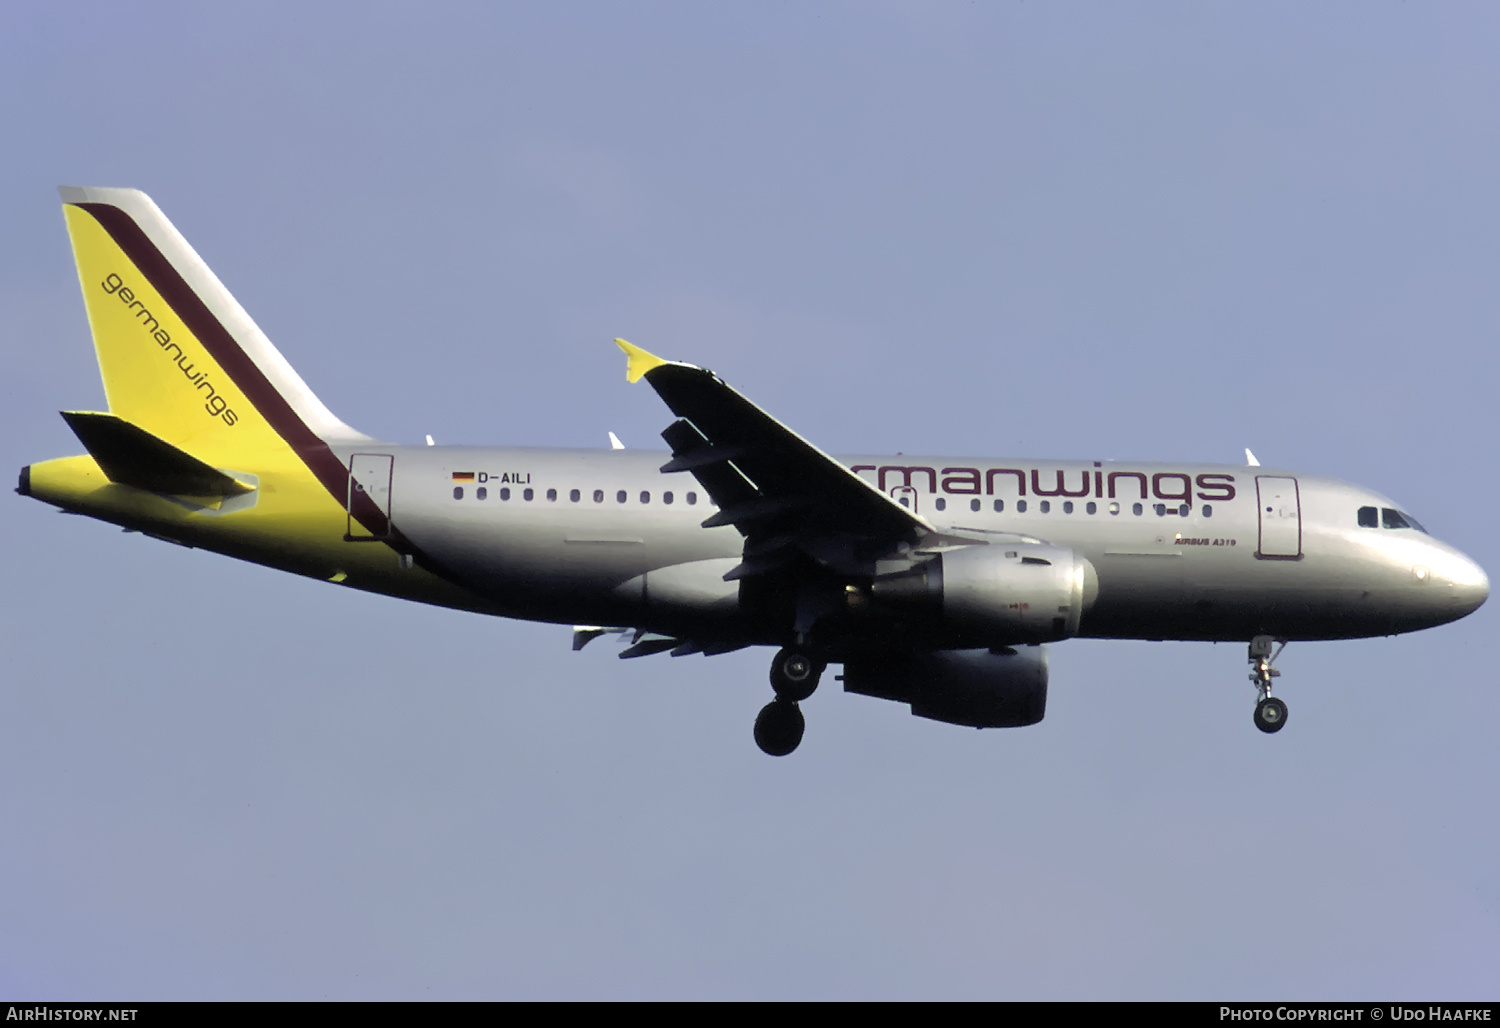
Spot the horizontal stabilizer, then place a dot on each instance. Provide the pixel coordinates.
(129, 455)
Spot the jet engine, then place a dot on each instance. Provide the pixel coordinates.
(980, 688)
(1005, 592)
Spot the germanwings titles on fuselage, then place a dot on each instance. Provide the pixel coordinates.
(935, 582)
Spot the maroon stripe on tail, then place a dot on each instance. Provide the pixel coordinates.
(314, 452)
(221, 346)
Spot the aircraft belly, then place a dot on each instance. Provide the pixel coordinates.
(1195, 593)
(550, 565)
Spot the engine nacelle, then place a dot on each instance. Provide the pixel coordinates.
(1008, 592)
(978, 688)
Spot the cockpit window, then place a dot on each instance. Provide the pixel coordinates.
(1369, 517)
(1396, 519)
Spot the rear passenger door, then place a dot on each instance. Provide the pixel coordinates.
(369, 497)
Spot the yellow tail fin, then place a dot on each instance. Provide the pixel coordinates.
(179, 357)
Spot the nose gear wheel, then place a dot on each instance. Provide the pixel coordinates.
(1270, 712)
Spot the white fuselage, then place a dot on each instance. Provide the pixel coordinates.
(1180, 551)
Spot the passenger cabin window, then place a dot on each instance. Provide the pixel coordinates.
(458, 492)
(1369, 517)
(1092, 508)
(620, 496)
(1208, 511)
(481, 493)
(1067, 506)
(692, 498)
(999, 506)
(974, 505)
(575, 495)
(1045, 506)
(645, 496)
(1021, 506)
(1136, 508)
(552, 495)
(505, 492)
(941, 503)
(598, 495)
(666, 497)
(528, 495)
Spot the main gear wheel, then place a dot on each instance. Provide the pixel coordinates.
(779, 727)
(795, 674)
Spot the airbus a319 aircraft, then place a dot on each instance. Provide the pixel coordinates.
(935, 581)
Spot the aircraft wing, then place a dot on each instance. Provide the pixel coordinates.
(781, 492)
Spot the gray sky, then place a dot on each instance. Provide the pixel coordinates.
(1044, 230)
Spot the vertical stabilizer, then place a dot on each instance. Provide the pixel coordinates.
(179, 356)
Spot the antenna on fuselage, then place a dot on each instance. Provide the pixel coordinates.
(614, 442)
(430, 442)
(1250, 458)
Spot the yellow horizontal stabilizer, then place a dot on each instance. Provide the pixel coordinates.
(129, 455)
(640, 361)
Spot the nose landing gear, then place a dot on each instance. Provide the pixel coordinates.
(780, 724)
(1270, 712)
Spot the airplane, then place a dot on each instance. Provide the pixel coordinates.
(936, 582)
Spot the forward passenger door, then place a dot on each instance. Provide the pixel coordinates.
(1280, 513)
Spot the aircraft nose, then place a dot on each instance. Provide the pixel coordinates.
(1471, 586)
(1466, 581)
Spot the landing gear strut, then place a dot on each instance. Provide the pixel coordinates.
(794, 676)
(1270, 712)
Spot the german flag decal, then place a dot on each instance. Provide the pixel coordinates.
(463, 476)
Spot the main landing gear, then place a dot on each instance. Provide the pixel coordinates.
(1270, 712)
(794, 676)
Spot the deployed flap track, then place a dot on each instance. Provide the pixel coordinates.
(643, 643)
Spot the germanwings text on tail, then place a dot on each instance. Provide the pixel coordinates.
(936, 582)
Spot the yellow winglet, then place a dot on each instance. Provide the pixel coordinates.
(640, 361)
